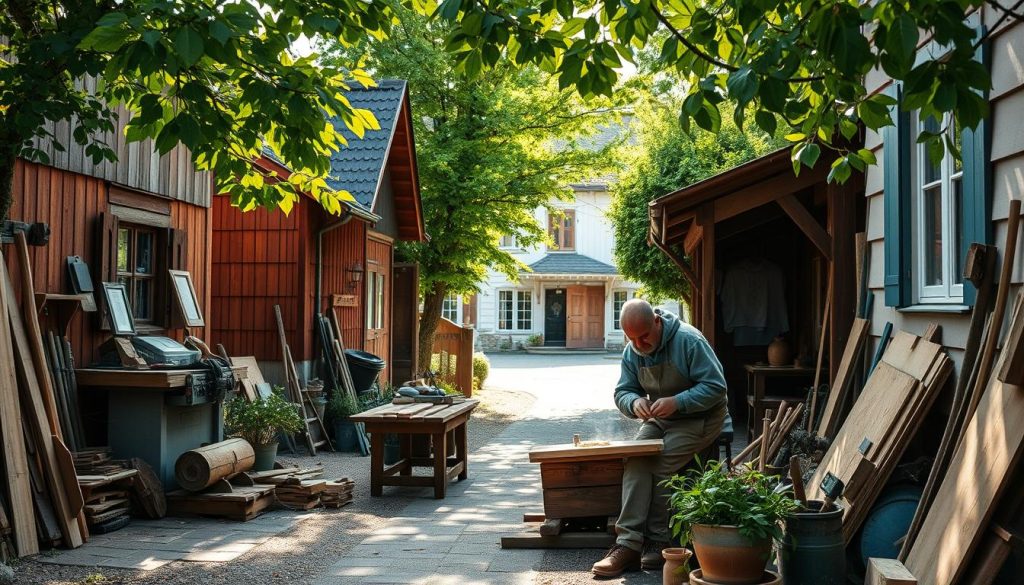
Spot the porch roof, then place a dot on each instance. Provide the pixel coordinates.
(570, 264)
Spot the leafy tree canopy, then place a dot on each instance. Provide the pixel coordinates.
(665, 159)
(215, 75)
(796, 66)
(491, 150)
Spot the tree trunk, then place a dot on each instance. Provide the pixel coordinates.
(433, 300)
(8, 159)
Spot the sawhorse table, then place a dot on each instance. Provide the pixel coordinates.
(406, 420)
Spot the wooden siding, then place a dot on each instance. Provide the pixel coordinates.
(254, 267)
(344, 248)
(1007, 100)
(137, 165)
(72, 203)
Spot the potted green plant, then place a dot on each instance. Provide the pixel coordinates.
(730, 518)
(339, 408)
(260, 422)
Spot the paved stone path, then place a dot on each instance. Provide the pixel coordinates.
(457, 540)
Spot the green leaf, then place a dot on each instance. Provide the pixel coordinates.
(189, 44)
(766, 121)
(902, 38)
(105, 39)
(220, 32)
(742, 85)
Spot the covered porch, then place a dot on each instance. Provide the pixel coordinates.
(758, 246)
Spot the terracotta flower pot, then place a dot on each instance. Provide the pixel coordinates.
(767, 578)
(729, 558)
(674, 572)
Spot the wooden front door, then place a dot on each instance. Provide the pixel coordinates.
(575, 322)
(594, 318)
(404, 322)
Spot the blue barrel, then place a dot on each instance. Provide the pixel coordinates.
(888, 521)
(812, 551)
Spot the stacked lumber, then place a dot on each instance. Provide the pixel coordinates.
(242, 503)
(97, 461)
(299, 494)
(891, 408)
(43, 501)
(337, 493)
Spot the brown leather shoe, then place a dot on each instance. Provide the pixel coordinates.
(651, 558)
(618, 560)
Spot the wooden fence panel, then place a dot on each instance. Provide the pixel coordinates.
(453, 345)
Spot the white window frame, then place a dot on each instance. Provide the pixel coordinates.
(452, 305)
(951, 291)
(504, 246)
(516, 298)
(616, 325)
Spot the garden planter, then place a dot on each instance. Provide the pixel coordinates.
(265, 455)
(766, 578)
(674, 572)
(729, 558)
(346, 438)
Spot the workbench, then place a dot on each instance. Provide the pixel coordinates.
(406, 420)
(758, 400)
(152, 415)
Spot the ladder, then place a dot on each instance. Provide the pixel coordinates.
(315, 433)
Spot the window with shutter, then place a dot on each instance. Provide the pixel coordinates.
(934, 209)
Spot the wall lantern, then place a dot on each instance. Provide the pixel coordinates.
(355, 274)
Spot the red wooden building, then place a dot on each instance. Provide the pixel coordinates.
(311, 262)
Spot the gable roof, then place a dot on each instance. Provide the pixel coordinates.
(571, 263)
(359, 166)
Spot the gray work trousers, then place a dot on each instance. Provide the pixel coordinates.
(645, 508)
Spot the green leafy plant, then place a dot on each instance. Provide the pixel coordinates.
(714, 496)
(259, 422)
(535, 340)
(449, 388)
(481, 369)
(341, 406)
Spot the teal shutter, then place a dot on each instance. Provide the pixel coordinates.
(896, 141)
(976, 204)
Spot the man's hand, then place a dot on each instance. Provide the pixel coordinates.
(664, 407)
(642, 408)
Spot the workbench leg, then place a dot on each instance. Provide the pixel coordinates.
(461, 453)
(405, 441)
(376, 463)
(440, 467)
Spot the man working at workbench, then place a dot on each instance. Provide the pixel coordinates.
(672, 380)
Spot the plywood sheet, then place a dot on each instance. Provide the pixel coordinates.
(977, 477)
(612, 450)
(844, 377)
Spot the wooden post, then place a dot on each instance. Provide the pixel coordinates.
(707, 273)
(464, 362)
(842, 218)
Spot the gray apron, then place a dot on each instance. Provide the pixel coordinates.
(664, 380)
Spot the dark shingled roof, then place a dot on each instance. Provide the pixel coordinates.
(563, 263)
(357, 167)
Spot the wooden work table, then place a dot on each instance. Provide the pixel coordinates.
(142, 379)
(406, 420)
(757, 398)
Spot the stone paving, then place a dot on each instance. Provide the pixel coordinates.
(451, 541)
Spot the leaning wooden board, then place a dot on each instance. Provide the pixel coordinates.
(978, 474)
(614, 449)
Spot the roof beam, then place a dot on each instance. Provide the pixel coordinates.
(807, 224)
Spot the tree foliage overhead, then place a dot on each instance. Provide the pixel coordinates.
(491, 150)
(665, 159)
(798, 66)
(215, 75)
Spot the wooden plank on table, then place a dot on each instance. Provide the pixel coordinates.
(989, 451)
(612, 449)
(888, 572)
(410, 412)
(844, 378)
(436, 408)
(453, 411)
(565, 540)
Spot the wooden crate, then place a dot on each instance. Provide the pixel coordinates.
(244, 503)
(576, 489)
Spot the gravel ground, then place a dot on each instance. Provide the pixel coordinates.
(304, 552)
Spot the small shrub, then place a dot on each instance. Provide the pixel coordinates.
(481, 369)
(535, 340)
(341, 406)
(259, 422)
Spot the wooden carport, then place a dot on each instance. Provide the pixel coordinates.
(686, 226)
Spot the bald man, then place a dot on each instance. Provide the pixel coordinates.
(672, 380)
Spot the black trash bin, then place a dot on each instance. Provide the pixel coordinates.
(365, 367)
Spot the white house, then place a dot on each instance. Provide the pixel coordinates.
(570, 295)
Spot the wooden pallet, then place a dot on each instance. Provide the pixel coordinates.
(242, 504)
(544, 533)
